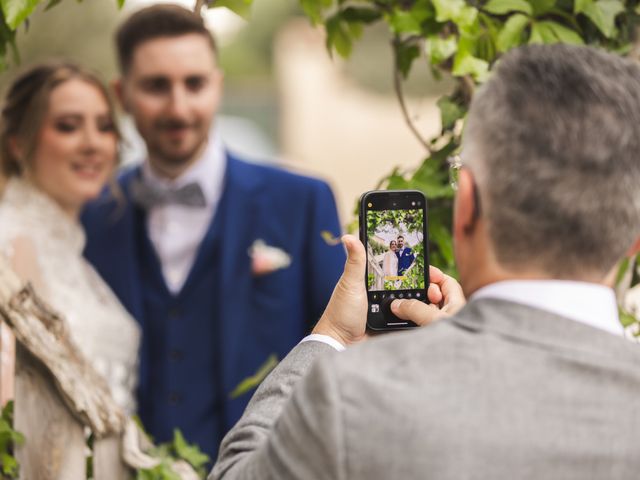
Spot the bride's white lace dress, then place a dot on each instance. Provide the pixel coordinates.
(100, 326)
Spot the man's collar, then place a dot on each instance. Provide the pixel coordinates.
(589, 303)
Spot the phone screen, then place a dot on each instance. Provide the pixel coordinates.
(395, 234)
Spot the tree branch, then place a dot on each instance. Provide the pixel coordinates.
(201, 3)
(397, 86)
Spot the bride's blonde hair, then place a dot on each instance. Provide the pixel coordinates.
(25, 106)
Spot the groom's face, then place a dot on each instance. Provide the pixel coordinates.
(172, 89)
(400, 243)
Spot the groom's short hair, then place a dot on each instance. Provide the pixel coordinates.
(553, 140)
(156, 21)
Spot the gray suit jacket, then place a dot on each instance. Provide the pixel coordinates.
(500, 391)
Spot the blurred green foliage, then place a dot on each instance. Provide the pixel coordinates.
(463, 39)
(9, 439)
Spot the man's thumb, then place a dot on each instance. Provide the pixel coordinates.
(355, 267)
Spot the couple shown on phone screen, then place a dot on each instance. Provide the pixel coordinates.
(395, 244)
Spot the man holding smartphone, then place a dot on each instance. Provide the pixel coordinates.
(532, 378)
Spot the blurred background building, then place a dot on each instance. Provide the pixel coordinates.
(286, 100)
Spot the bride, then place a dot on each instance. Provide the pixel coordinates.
(58, 148)
(390, 261)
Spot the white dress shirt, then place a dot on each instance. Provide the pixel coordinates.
(176, 231)
(589, 303)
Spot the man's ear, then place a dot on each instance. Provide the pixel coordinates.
(465, 216)
(118, 89)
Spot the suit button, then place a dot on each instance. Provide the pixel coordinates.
(176, 355)
(175, 398)
(174, 313)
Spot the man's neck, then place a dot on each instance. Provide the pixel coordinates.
(169, 170)
(487, 276)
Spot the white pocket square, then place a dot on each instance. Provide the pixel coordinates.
(266, 259)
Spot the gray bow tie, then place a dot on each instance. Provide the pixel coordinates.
(149, 196)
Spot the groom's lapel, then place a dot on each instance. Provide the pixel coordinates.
(239, 226)
(128, 237)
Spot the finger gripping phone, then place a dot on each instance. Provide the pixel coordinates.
(393, 229)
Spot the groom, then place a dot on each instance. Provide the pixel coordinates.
(405, 256)
(222, 262)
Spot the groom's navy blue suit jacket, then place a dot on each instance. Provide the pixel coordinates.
(200, 344)
(405, 260)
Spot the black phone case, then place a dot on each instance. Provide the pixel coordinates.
(379, 321)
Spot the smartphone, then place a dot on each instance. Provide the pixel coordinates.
(393, 229)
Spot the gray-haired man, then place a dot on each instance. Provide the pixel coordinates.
(532, 379)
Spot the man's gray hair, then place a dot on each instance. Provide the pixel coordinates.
(553, 140)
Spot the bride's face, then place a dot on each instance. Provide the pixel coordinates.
(77, 143)
(392, 246)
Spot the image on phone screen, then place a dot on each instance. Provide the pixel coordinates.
(395, 244)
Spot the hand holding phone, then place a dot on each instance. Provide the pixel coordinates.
(393, 228)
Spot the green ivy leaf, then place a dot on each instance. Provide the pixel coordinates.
(442, 238)
(500, 7)
(9, 465)
(355, 29)
(16, 11)
(603, 14)
(511, 34)
(541, 7)
(466, 64)
(431, 179)
(623, 267)
(450, 112)
(160, 472)
(338, 36)
(402, 21)
(565, 34)
(253, 381)
(448, 9)
(467, 17)
(440, 49)
(239, 7)
(314, 8)
(626, 319)
(190, 453)
(405, 55)
(580, 5)
(361, 15)
(553, 32)
(397, 182)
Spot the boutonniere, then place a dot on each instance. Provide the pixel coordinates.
(266, 259)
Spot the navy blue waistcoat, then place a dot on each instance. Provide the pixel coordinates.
(170, 349)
